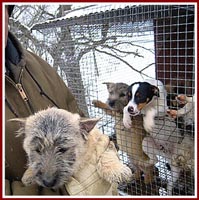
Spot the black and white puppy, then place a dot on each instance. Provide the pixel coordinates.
(147, 98)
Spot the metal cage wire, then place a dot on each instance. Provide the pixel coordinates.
(126, 43)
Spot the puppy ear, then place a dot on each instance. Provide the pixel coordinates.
(88, 124)
(108, 84)
(22, 122)
(155, 91)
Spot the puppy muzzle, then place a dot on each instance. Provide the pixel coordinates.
(132, 111)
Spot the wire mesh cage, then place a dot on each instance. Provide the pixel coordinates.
(102, 49)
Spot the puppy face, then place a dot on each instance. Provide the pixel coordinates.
(55, 143)
(117, 95)
(140, 94)
(51, 142)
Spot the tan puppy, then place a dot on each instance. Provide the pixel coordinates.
(128, 140)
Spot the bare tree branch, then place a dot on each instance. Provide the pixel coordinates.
(125, 62)
(134, 45)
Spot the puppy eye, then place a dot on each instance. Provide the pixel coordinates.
(122, 95)
(62, 150)
(38, 150)
(137, 94)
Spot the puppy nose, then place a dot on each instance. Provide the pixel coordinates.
(130, 109)
(111, 103)
(49, 183)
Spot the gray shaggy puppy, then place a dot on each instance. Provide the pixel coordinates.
(51, 140)
(60, 145)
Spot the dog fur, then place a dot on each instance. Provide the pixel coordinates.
(117, 96)
(165, 138)
(147, 98)
(185, 120)
(59, 145)
(129, 141)
(187, 112)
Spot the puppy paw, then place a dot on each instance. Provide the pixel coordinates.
(127, 122)
(28, 178)
(96, 103)
(100, 104)
(148, 125)
(126, 119)
(111, 168)
(148, 120)
(172, 113)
